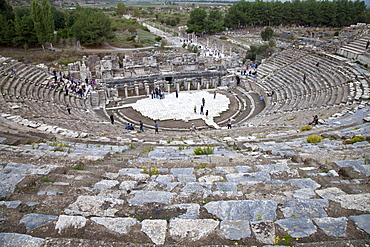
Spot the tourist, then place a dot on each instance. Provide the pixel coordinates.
(214, 95)
(203, 101)
(367, 44)
(156, 125)
(304, 78)
(141, 126)
(111, 118)
(201, 110)
(195, 109)
(229, 124)
(192, 128)
(69, 109)
(206, 113)
(177, 94)
(14, 71)
(315, 120)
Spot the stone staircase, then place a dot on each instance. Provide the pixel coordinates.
(149, 190)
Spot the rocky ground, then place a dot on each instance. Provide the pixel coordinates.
(262, 185)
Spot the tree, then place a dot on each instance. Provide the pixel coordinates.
(92, 27)
(24, 29)
(6, 23)
(196, 21)
(59, 18)
(121, 8)
(6, 30)
(263, 50)
(267, 33)
(43, 21)
(214, 23)
(137, 12)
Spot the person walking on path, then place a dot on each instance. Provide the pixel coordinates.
(111, 118)
(141, 125)
(214, 95)
(177, 94)
(156, 125)
(69, 109)
(229, 124)
(203, 101)
(201, 110)
(192, 128)
(195, 109)
(304, 78)
(206, 113)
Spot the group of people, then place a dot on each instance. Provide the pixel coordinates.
(250, 70)
(157, 93)
(68, 83)
(202, 107)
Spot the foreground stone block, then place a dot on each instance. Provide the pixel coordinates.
(192, 230)
(94, 205)
(350, 201)
(305, 183)
(65, 221)
(264, 231)
(142, 197)
(19, 240)
(235, 229)
(305, 208)
(243, 209)
(120, 225)
(254, 177)
(335, 227)
(362, 221)
(34, 220)
(155, 230)
(105, 184)
(297, 228)
(13, 173)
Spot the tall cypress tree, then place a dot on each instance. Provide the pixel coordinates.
(6, 23)
(43, 21)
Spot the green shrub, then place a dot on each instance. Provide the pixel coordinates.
(314, 139)
(357, 139)
(151, 171)
(149, 149)
(305, 128)
(204, 151)
(47, 180)
(78, 167)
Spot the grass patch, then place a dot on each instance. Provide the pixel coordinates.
(314, 139)
(47, 180)
(78, 167)
(150, 171)
(148, 149)
(305, 128)
(201, 166)
(204, 150)
(354, 140)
